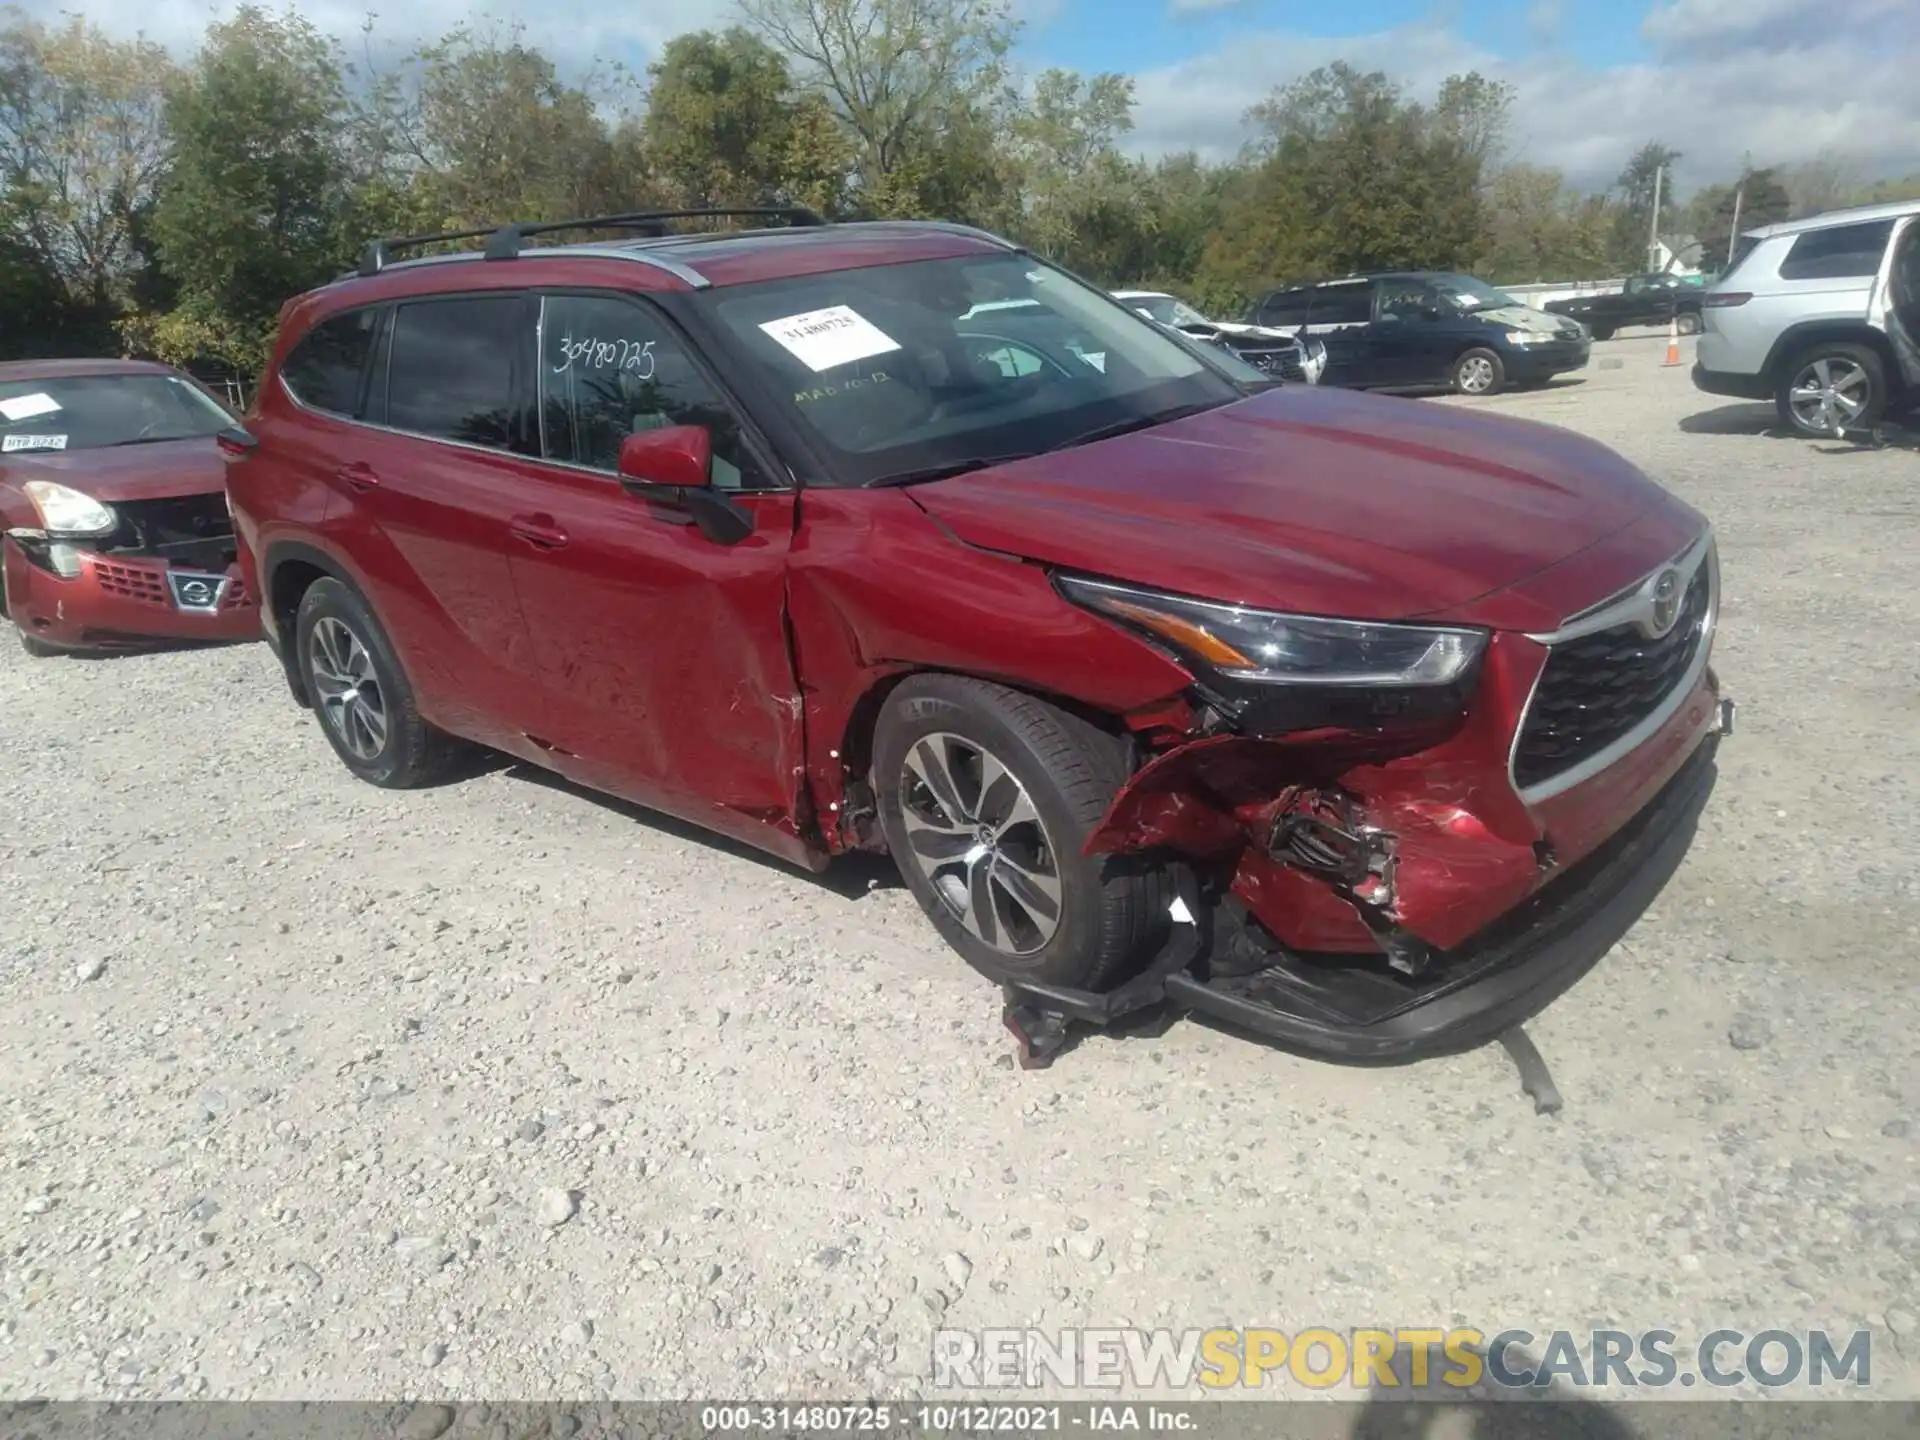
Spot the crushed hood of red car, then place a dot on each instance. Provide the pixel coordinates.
(1324, 501)
(118, 473)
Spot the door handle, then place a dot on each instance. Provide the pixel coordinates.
(359, 475)
(541, 530)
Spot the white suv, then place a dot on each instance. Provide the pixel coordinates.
(1822, 317)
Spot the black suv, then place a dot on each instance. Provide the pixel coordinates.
(1421, 329)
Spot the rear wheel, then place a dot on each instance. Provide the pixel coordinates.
(1832, 387)
(1479, 372)
(1602, 332)
(986, 797)
(1688, 322)
(361, 695)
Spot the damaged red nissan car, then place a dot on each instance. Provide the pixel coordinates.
(113, 504)
(1365, 724)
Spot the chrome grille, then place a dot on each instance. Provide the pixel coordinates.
(1599, 686)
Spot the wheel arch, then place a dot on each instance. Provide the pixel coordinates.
(1797, 339)
(288, 570)
(854, 744)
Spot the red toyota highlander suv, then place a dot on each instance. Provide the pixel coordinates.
(892, 536)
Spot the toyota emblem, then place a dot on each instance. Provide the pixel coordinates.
(1666, 601)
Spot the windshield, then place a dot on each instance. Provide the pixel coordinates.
(898, 370)
(92, 412)
(1470, 294)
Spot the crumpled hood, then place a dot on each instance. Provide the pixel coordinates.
(1322, 501)
(153, 471)
(1242, 331)
(1525, 317)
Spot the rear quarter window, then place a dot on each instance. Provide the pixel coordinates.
(1843, 252)
(325, 370)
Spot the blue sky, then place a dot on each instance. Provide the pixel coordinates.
(1782, 81)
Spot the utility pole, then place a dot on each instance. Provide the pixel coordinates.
(1734, 239)
(1653, 228)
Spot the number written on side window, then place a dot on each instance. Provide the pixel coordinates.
(610, 368)
(594, 352)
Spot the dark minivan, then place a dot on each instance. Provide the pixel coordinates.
(1420, 329)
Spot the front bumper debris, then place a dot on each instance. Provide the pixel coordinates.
(1373, 1009)
(119, 601)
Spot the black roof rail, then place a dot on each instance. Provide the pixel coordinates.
(503, 241)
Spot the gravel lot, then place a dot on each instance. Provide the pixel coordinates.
(503, 1090)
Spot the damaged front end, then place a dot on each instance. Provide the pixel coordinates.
(159, 568)
(1379, 893)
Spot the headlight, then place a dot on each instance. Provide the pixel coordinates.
(1527, 337)
(65, 511)
(1265, 646)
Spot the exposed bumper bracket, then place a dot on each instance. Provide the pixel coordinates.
(1343, 1011)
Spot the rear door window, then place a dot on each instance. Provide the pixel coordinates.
(456, 369)
(1841, 252)
(1288, 308)
(1341, 304)
(325, 370)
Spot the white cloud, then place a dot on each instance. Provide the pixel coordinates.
(1183, 9)
(1675, 26)
(1847, 88)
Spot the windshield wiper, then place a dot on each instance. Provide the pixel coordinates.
(947, 471)
(144, 440)
(1137, 422)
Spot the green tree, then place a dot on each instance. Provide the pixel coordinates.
(1647, 173)
(82, 148)
(1349, 175)
(251, 212)
(1473, 113)
(1758, 197)
(915, 83)
(1539, 229)
(1063, 152)
(481, 128)
(724, 126)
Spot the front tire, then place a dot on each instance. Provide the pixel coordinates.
(1688, 323)
(1602, 332)
(361, 694)
(986, 798)
(1831, 386)
(1479, 372)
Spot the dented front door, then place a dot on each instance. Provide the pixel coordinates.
(667, 674)
(665, 658)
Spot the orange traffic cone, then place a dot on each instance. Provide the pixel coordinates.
(1673, 343)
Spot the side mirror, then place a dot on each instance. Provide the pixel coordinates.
(235, 441)
(677, 456)
(675, 464)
